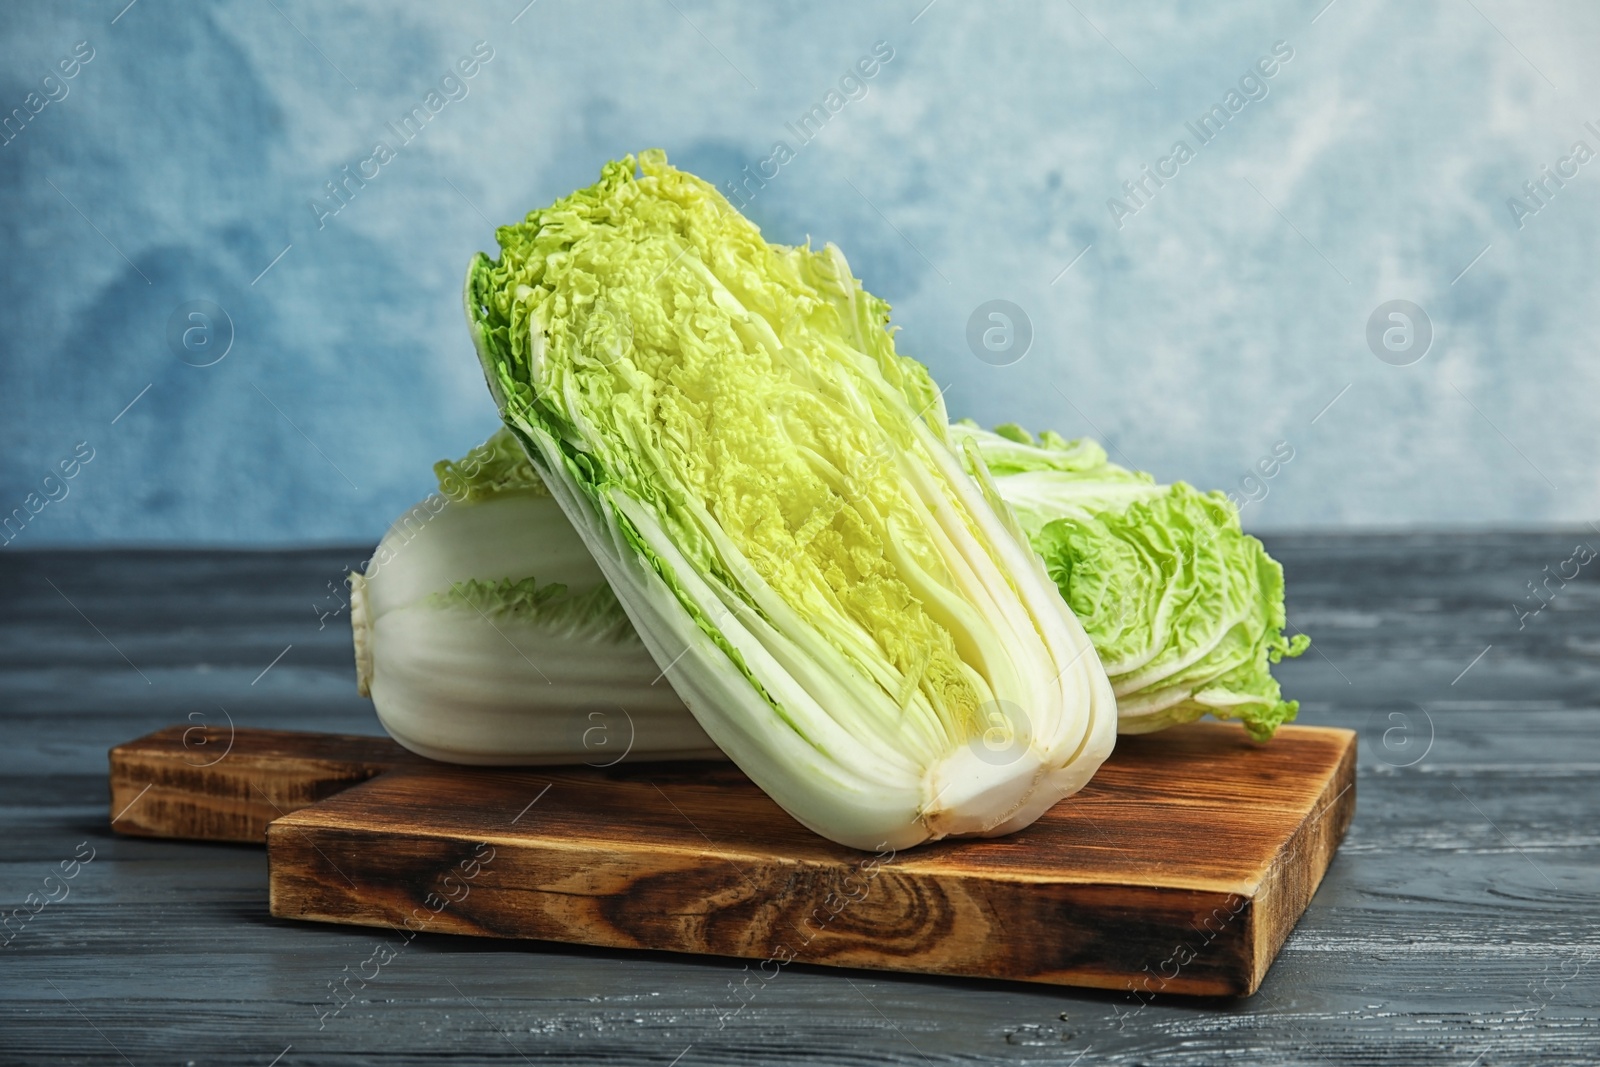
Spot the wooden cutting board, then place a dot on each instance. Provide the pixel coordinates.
(1181, 868)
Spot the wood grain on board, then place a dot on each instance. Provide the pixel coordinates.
(1180, 869)
(220, 783)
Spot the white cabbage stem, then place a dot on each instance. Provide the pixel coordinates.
(464, 681)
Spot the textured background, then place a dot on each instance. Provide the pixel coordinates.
(1220, 319)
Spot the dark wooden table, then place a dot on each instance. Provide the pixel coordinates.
(1459, 924)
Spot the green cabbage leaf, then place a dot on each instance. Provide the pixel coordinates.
(1185, 608)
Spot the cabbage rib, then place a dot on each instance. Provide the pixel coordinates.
(769, 488)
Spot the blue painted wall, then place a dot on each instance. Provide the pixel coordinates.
(1201, 323)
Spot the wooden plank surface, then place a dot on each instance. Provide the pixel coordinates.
(1181, 869)
(225, 783)
(1459, 920)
